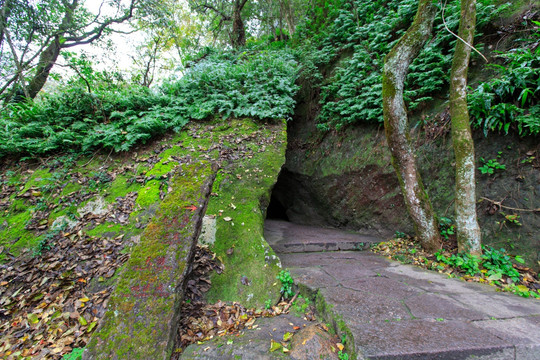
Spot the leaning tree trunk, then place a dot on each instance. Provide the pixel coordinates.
(468, 231)
(47, 59)
(396, 67)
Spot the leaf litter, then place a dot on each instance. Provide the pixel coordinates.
(50, 304)
(200, 321)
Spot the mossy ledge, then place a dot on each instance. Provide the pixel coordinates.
(241, 196)
(142, 314)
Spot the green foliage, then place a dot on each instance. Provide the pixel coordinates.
(511, 218)
(116, 117)
(45, 243)
(76, 120)
(257, 84)
(301, 304)
(490, 166)
(365, 31)
(342, 355)
(511, 100)
(499, 263)
(75, 354)
(286, 284)
(496, 262)
(463, 261)
(446, 227)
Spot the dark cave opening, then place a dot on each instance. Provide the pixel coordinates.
(276, 210)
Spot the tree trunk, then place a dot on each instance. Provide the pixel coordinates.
(238, 30)
(468, 231)
(396, 125)
(46, 61)
(4, 15)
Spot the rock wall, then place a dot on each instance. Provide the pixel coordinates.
(345, 179)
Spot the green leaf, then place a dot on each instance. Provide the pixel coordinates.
(274, 345)
(33, 319)
(496, 276)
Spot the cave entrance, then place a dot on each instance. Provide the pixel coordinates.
(276, 210)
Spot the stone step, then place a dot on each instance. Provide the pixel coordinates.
(286, 237)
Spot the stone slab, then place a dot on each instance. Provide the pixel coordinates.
(429, 339)
(285, 237)
(358, 307)
(383, 286)
(397, 311)
(251, 344)
(142, 313)
(313, 277)
(436, 306)
(524, 333)
(500, 305)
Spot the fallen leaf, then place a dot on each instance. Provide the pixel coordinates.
(274, 345)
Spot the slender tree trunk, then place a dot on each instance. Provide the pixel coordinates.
(20, 71)
(396, 126)
(4, 15)
(468, 231)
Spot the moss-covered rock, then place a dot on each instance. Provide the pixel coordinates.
(142, 315)
(242, 194)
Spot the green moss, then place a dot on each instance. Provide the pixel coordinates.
(121, 187)
(244, 193)
(108, 227)
(125, 331)
(14, 236)
(70, 188)
(19, 205)
(40, 177)
(337, 324)
(149, 194)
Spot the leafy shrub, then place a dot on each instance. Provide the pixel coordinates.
(286, 284)
(259, 85)
(463, 261)
(512, 99)
(499, 263)
(490, 166)
(74, 119)
(495, 263)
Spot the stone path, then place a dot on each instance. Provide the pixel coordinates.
(397, 311)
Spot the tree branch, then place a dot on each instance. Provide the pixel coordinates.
(96, 33)
(17, 63)
(457, 36)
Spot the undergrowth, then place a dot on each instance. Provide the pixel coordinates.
(493, 267)
(358, 35)
(512, 99)
(260, 85)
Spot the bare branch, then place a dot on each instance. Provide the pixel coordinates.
(207, 6)
(456, 35)
(97, 32)
(17, 63)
